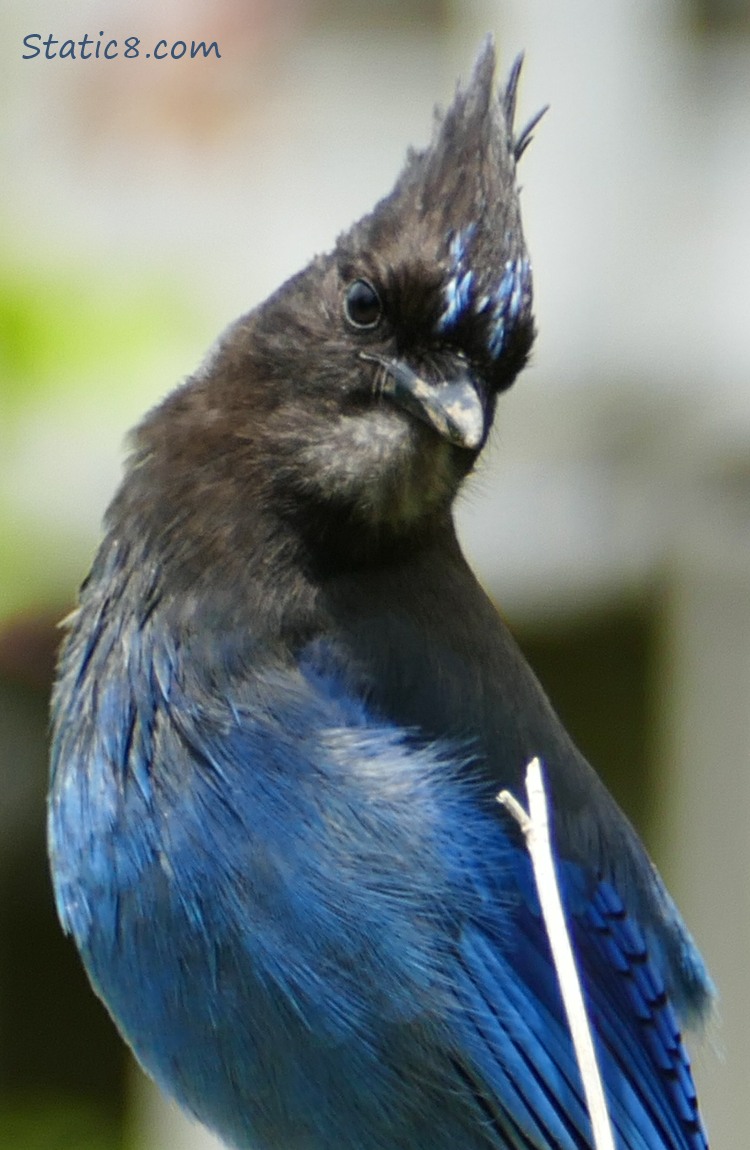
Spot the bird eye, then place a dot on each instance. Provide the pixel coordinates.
(362, 306)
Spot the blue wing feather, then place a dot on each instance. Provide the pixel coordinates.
(644, 1064)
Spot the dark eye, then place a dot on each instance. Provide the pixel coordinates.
(362, 306)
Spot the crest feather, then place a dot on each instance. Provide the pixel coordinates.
(455, 210)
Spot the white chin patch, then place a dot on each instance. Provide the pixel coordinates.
(389, 468)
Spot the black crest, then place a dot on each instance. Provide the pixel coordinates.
(456, 205)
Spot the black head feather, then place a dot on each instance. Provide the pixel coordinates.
(356, 398)
(454, 218)
(525, 136)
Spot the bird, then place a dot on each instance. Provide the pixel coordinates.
(284, 708)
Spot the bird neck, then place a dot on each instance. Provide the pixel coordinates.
(237, 565)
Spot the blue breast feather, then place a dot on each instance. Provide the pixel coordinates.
(292, 908)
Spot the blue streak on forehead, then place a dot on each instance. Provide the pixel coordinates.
(457, 290)
(510, 299)
(457, 299)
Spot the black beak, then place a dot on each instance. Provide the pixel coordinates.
(452, 407)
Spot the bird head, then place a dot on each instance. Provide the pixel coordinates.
(365, 387)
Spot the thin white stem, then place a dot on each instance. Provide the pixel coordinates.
(535, 828)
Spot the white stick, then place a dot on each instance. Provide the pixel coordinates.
(535, 827)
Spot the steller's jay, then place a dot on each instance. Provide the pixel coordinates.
(285, 707)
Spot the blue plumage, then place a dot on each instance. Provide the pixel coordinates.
(284, 709)
(458, 289)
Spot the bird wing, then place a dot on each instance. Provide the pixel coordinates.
(517, 1056)
(523, 1069)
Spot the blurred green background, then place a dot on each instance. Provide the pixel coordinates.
(146, 205)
